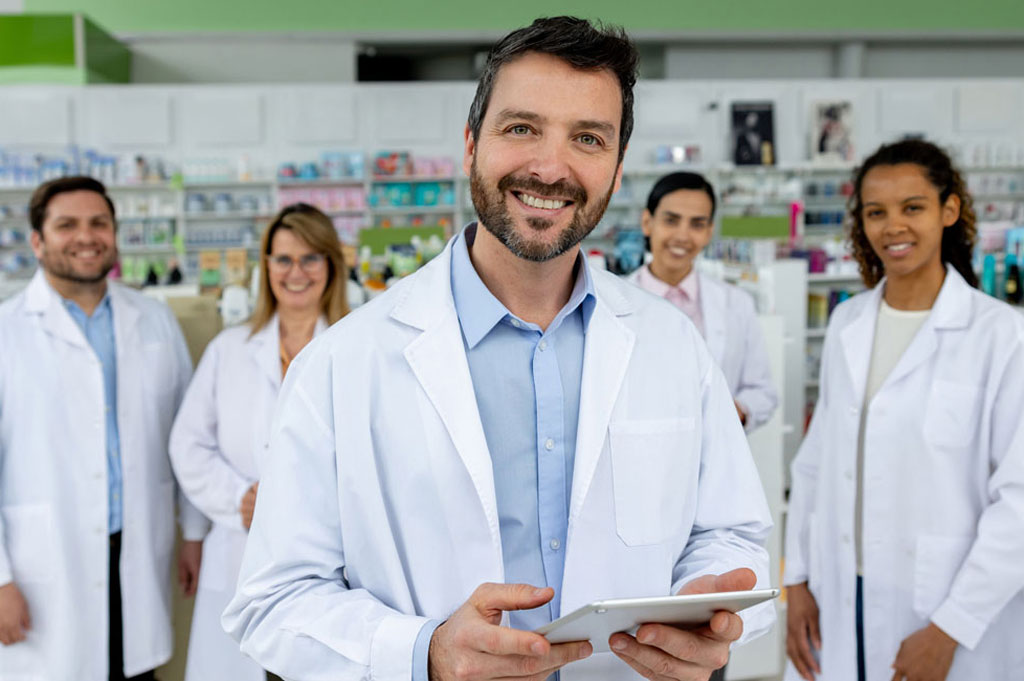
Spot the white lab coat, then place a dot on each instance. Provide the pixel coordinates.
(53, 483)
(377, 507)
(734, 337)
(219, 436)
(943, 518)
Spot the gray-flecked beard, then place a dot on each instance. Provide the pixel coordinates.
(492, 210)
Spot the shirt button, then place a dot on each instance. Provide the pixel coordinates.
(515, 323)
(549, 444)
(554, 544)
(543, 345)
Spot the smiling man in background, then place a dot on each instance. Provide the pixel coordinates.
(506, 435)
(91, 375)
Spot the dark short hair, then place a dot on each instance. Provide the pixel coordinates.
(46, 192)
(580, 43)
(676, 181)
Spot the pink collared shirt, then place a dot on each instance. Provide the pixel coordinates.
(685, 296)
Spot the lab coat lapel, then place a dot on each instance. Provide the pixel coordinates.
(856, 340)
(126, 323)
(265, 347)
(712, 308)
(606, 354)
(952, 309)
(437, 358)
(42, 300)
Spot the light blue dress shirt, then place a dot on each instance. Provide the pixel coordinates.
(99, 331)
(527, 385)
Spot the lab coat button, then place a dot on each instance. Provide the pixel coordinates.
(854, 410)
(849, 475)
(549, 444)
(555, 544)
(846, 539)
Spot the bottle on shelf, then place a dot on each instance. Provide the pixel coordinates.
(1012, 282)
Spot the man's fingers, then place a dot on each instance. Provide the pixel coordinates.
(497, 640)
(815, 632)
(726, 626)
(561, 654)
(655, 663)
(697, 647)
(492, 598)
(740, 579)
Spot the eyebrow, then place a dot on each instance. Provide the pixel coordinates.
(506, 115)
(918, 197)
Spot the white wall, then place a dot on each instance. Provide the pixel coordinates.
(272, 123)
(802, 59)
(242, 59)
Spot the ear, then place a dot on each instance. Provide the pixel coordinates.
(645, 222)
(618, 171)
(35, 239)
(468, 151)
(951, 211)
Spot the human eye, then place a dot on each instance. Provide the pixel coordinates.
(311, 260)
(282, 261)
(589, 140)
(873, 213)
(914, 208)
(519, 130)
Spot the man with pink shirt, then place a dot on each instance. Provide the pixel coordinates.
(678, 223)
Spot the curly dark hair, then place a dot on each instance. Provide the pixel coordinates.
(957, 239)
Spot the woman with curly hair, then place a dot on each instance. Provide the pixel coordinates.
(905, 544)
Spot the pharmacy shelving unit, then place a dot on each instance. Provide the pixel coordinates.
(158, 221)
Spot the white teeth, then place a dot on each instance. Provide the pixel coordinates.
(898, 248)
(87, 254)
(675, 250)
(534, 202)
(296, 289)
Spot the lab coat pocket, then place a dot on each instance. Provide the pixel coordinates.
(937, 560)
(651, 460)
(30, 542)
(952, 414)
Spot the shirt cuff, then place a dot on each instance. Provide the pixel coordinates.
(421, 651)
(959, 624)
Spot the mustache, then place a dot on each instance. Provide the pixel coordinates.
(574, 192)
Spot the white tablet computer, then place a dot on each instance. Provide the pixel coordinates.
(599, 620)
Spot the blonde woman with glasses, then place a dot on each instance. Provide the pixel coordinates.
(223, 425)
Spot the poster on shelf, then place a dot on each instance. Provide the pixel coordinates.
(832, 132)
(753, 133)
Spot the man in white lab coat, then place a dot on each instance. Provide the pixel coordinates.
(91, 374)
(506, 435)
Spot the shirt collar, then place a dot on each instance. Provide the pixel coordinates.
(689, 286)
(77, 312)
(480, 311)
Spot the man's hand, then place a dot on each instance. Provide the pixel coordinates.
(14, 619)
(472, 645)
(188, 566)
(248, 505)
(802, 630)
(925, 655)
(660, 651)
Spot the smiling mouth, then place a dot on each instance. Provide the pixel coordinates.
(297, 289)
(678, 251)
(898, 248)
(539, 202)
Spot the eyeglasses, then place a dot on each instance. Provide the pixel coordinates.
(307, 263)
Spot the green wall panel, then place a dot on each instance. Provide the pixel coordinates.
(657, 15)
(755, 226)
(106, 59)
(37, 41)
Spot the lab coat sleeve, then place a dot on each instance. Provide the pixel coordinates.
(991, 574)
(194, 525)
(294, 611)
(208, 480)
(732, 519)
(6, 574)
(756, 394)
(804, 483)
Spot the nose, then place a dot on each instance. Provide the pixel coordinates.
(550, 160)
